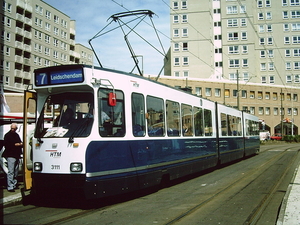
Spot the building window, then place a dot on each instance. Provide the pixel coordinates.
(218, 92)
(208, 91)
(198, 91)
(275, 111)
(184, 4)
(48, 15)
(232, 22)
(233, 36)
(295, 14)
(175, 33)
(176, 47)
(184, 32)
(295, 2)
(288, 66)
(287, 53)
(184, 46)
(296, 52)
(243, 22)
(233, 49)
(260, 110)
(268, 3)
(185, 61)
(245, 62)
(271, 79)
(252, 94)
(184, 18)
(176, 61)
(263, 67)
(286, 27)
(243, 9)
(252, 110)
(267, 110)
(284, 3)
(296, 65)
(263, 80)
(233, 76)
(175, 19)
(261, 28)
(285, 15)
(244, 35)
(185, 73)
(286, 40)
(244, 94)
(271, 66)
(227, 93)
(295, 26)
(259, 3)
(175, 5)
(296, 39)
(260, 16)
(176, 73)
(269, 28)
(234, 63)
(232, 9)
(244, 49)
(261, 41)
(262, 54)
(270, 53)
(267, 95)
(268, 15)
(270, 40)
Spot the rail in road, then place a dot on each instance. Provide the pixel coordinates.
(247, 192)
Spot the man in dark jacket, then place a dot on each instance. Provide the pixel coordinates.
(12, 153)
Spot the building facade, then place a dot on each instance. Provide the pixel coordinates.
(219, 44)
(34, 35)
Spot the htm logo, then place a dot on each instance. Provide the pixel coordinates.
(55, 154)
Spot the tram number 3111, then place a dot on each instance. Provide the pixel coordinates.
(55, 167)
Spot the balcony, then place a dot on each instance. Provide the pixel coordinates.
(28, 21)
(28, 7)
(27, 34)
(27, 75)
(26, 61)
(20, 17)
(21, 3)
(27, 48)
(19, 59)
(72, 42)
(19, 73)
(19, 31)
(19, 45)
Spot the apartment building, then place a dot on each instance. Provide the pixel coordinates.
(34, 35)
(230, 41)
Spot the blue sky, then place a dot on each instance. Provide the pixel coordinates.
(92, 15)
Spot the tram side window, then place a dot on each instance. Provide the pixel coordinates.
(111, 117)
(173, 118)
(208, 129)
(224, 124)
(198, 121)
(138, 115)
(187, 120)
(238, 125)
(155, 116)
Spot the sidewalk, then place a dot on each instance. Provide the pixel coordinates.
(290, 209)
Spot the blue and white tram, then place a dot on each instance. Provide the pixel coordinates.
(113, 132)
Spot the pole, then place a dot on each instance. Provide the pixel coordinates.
(281, 111)
(237, 93)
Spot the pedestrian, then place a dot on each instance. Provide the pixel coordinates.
(13, 150)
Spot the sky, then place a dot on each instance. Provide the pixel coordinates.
(92, 16)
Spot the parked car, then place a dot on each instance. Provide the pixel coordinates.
(276, 136)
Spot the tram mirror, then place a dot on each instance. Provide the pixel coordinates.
(112, 100)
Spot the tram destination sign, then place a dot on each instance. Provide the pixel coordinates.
(58, 77)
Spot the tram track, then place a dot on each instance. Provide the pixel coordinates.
(256, 213)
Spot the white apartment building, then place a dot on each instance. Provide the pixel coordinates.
(218, 44)
(34, 35)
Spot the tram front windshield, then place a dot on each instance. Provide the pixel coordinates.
(66, 115)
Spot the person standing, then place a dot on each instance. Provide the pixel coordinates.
(13, 150)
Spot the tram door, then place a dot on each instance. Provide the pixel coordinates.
(29, 116)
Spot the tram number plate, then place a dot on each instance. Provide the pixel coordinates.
(55, 167)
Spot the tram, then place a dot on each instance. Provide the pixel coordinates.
(102, 132)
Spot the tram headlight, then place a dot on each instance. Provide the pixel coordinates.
(38, 166)
(76, 167)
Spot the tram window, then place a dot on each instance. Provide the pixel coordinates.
(239, 126)
(138, 115)
(66, 115)
(229, 125)
(224, 124)
(187, 120)
(173, 118)
(208, 122)
(111, 118)
(155, 116)
(198, 121)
